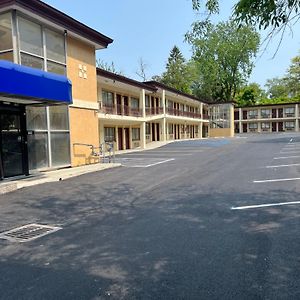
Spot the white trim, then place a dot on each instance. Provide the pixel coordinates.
(264, 205)
(85, 104)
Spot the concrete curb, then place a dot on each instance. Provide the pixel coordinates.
(52, 176)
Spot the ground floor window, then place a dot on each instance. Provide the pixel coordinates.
(170, 128)
(109, 134)
(289, 125)
(252, 125)
(135, 134)
(196, 128)
(265, 126)
(148, 128)
(48, 136)
(182, 129)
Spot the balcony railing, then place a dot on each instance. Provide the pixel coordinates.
(181, 113)
(122, 110)
(154, 111)
(252, 116)
(265, 116)
(289, 115)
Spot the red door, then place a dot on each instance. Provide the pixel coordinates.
(120, 138)
(280, 126)
(280, 112)
(244, 127)
(273, 126)
(119, 106)
(244, 115)
(274, 113)
(127, 142)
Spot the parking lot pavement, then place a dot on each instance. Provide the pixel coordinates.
(168, 231)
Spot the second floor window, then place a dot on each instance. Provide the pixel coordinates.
(135, 103)
(107, 99)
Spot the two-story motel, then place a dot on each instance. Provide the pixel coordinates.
(267, 118)
(55, 103)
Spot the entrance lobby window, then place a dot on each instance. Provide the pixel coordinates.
(6, 44)
(49, 137)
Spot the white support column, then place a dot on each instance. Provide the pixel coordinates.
(240, 122)
(297, 117)
(130, 137)
(200, 130)
(258, 126)
(164, 129)
(143, 103)
(163, 99)
(143, 135)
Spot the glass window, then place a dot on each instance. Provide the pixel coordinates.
(36, 118)
(135, 134)
(5, 32)
(170, 128)
(109, 134)
(60, 149)
(107, 98)
(265, 125)
(7, 55)
(59, 117)
(56, 68)
(148, 129)
(147, 101)
(289, 124)
(253, 125)
(55, 46)
(30, 37)
(32, 61)
(38, 150)
(135, 103)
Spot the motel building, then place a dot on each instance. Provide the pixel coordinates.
(267, 118)
(55, 104)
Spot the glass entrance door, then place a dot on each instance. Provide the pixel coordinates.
(13, 150)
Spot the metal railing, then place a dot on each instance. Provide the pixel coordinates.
(154, 110)
(182, 113)
(106, 151)
(121, 110)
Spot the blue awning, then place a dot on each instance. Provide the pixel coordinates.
(17, 81)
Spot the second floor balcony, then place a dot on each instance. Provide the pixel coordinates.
(122, 110)
(182, 113)
(152, 111)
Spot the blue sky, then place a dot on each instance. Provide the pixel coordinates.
(149, 29)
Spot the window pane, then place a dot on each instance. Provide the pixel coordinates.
(60, 149)
(59, 117)
(5, 32)
(107, 98)
(109, 134)
(56, 68)
(36, 118)
(30, 37)
(38, 151)
(31, 61)
(7, 55)
(55, 46)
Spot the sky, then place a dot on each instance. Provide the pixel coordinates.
(148, 30)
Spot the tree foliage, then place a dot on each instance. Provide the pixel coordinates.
(178, 72)
(264, 13)
(250, 95)
(110, 67)
(223, 57)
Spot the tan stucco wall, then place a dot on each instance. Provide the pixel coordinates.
(84, 130)
(220, 132)
(83, 121)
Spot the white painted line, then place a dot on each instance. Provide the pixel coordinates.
(173, 151)
(264, 205)
(276, 180)
(285, 157)
(151, 165)
(281, 166)
(290, 140)
(290, 152)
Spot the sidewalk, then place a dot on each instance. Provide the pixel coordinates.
(9, 185)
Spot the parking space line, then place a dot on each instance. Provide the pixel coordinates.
(281, 166)
(290, 152)
(285, 157)
(264, 205)
(276, 180)
(151, 165)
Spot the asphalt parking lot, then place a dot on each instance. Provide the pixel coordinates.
(211, 219)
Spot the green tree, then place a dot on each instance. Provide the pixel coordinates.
(178, 72)
(250, 94)
(223, 57)
(264, 13)
(293, 77)
(277, 88)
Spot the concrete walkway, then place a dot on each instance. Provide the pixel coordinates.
(9, 185)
